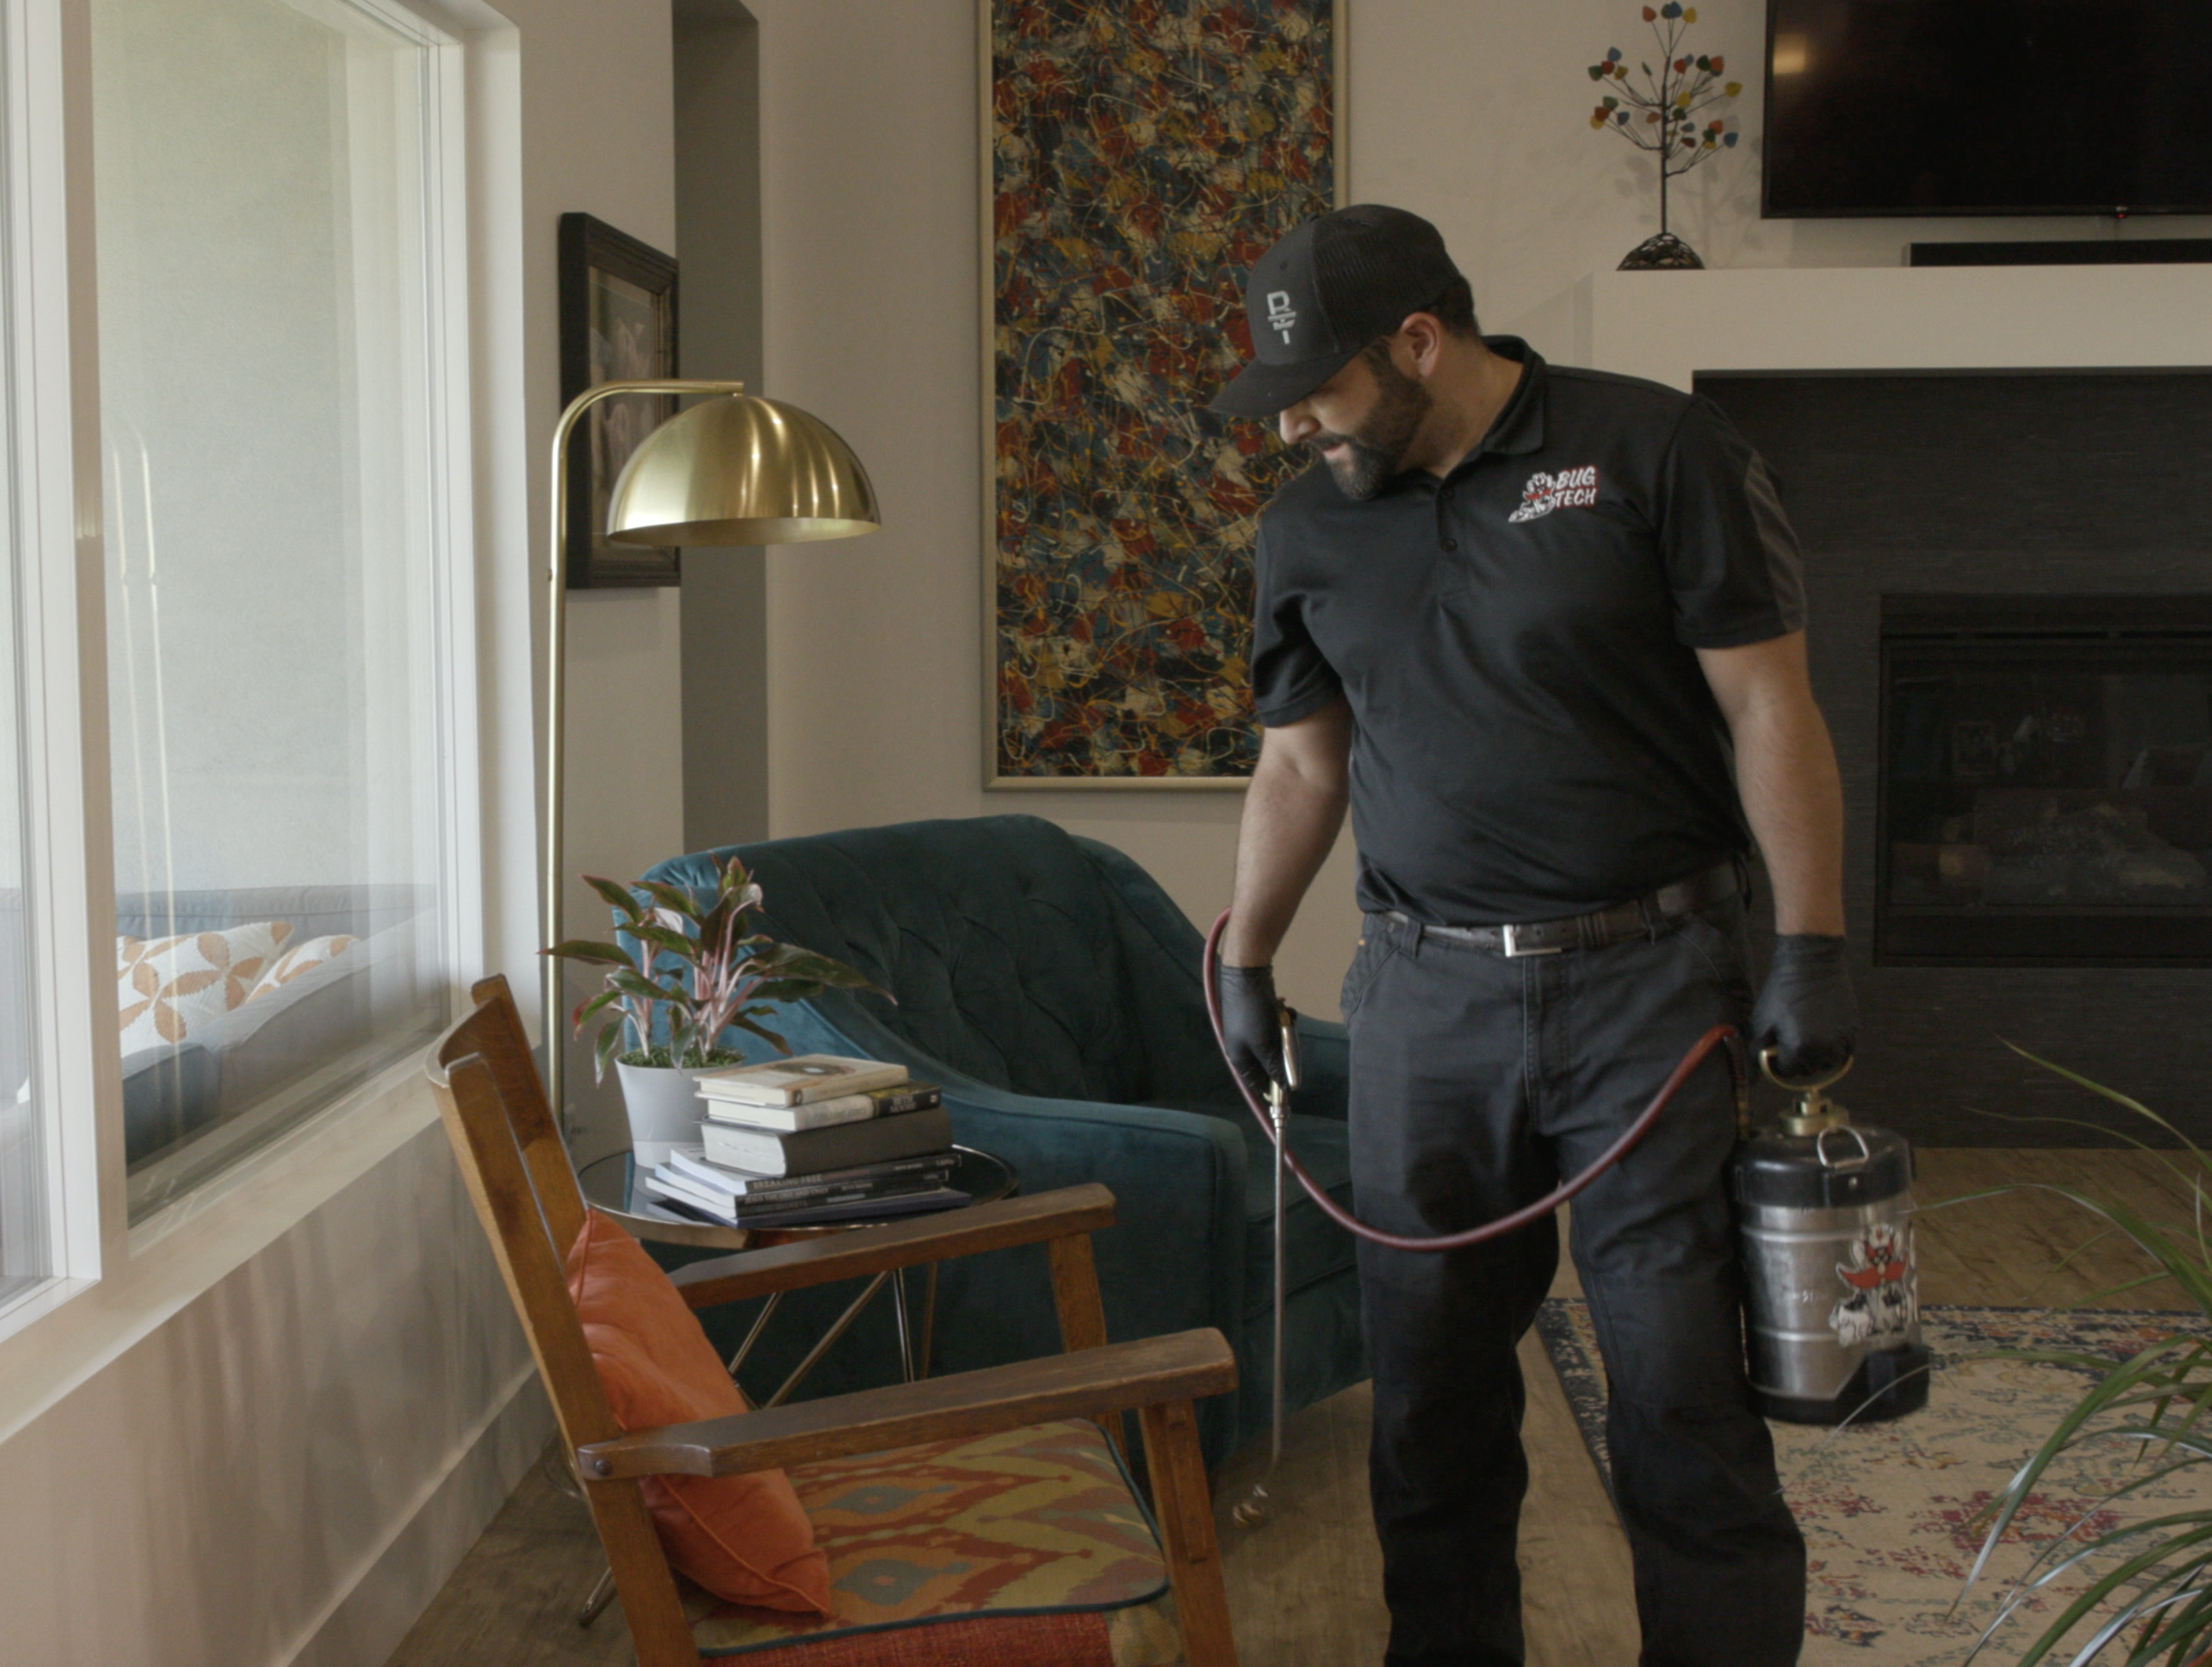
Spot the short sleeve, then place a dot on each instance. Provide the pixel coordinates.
(1732, 559)
(1291, 678)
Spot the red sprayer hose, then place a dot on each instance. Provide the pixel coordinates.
(1714, 1038)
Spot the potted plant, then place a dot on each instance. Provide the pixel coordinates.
(694, 974)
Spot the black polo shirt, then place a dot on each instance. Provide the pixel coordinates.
(1534, 736)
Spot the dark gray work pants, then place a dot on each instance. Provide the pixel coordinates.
(1477, 1083)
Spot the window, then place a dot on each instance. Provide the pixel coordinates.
(26, 1247)
(267, 234)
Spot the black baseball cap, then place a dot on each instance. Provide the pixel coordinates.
(1325, 291)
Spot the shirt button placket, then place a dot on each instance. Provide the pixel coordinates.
(1445, 539)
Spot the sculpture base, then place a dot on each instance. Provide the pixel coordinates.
(1664, 253)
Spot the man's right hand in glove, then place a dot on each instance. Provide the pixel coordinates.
(1251, 1024)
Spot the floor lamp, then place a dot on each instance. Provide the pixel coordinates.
(733, 471)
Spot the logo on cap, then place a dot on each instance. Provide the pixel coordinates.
(1281, 315)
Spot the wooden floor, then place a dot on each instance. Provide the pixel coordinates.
(1306, 1587)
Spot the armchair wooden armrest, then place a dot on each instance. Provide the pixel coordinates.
(1116, 1378)
(1064, 1215)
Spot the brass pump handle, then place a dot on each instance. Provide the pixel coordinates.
(1767, 1069)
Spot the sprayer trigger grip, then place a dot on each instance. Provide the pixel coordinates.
(1286, 1018)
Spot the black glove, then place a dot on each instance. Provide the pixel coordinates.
(1807, 1014)
(1251, 1024)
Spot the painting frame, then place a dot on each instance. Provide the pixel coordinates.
(621, 291)
(995, 778)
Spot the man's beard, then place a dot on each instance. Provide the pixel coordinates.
(1377, 450)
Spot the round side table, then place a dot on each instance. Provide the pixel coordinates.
(613, 1184)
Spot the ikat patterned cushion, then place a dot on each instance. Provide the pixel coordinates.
(1024, 1546)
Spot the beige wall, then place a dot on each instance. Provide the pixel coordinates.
(268, 1436)
(1471, 114)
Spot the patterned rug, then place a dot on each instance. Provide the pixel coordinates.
(1889, 1510)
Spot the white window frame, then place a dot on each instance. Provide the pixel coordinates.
(49, 327)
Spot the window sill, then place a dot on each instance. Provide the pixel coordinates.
(58, 1337)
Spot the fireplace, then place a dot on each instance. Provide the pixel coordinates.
(2045, 781)
(2010, 576)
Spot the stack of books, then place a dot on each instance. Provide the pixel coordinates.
(801, 1142)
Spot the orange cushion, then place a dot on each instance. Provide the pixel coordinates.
(744, 1538)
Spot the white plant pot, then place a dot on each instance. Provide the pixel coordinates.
(663, 1103)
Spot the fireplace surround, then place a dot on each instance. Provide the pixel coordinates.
(2043, 786)
(1969, 536)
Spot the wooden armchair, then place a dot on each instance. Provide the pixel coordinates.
(519, 1174)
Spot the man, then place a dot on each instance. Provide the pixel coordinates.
(1515, 617)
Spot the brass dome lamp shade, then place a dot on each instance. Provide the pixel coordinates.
(731, 471)
(741, 471)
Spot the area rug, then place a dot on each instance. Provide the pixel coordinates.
(1889, 1510)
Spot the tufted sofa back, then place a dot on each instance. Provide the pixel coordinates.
(1020, 955)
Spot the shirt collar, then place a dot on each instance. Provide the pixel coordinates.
(1519, 427)
(1516, 429)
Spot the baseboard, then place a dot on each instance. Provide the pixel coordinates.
(365, 1622)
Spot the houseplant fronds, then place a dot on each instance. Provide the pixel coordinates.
(2158, 1402)
(697, 968)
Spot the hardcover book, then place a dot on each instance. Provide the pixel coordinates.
(873, 1209)
(691, 1166)
(874, 1141)
(796, 1081)
(672, 1187)
(820, 1114)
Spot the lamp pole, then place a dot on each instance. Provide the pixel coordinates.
(556, 620)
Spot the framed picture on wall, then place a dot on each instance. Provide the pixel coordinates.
(1118, 512)
(617, 322)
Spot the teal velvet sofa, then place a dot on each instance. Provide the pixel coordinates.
(1052, 987)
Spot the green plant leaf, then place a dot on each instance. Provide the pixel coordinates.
(673, 898)
(586, 1009)
(666, 939)
(617, 897)
(603, 1051)
(636, 984)
(745, 1024)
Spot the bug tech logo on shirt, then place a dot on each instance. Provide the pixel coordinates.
(1571, 489)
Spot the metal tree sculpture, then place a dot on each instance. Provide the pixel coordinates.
(1670, 102)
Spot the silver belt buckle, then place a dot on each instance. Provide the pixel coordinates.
(1511, 935)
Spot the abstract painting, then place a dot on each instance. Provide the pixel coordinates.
(1140, 155)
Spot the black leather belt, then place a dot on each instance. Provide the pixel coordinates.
(1597, 928)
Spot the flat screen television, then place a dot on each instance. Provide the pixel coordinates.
(1987, 107)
